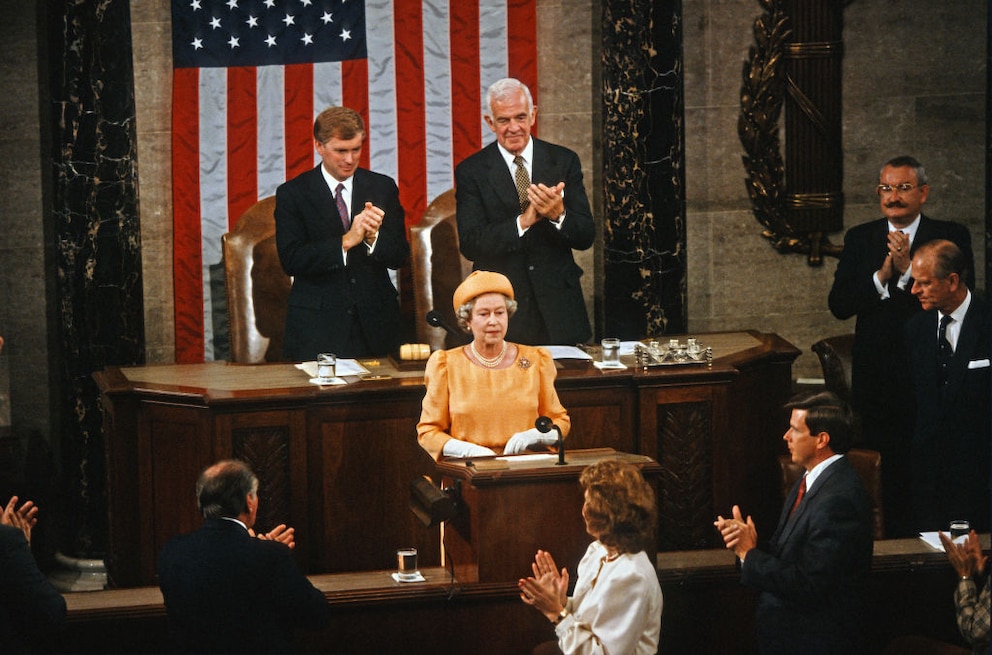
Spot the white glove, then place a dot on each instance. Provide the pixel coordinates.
(521, 441)
(458, 448)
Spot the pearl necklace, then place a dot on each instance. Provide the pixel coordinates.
(489, 362)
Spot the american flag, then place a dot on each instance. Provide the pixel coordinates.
(250, 76)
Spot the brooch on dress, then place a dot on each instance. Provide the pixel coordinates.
(523, 363)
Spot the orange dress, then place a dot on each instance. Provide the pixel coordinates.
(487, 406)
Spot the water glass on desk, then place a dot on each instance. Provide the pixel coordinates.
(959, 528)
(611, 351)
(326, 368)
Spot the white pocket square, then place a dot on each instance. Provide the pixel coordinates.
(979, 363)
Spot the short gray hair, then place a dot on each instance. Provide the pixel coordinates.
(905, 161)
(504, 89)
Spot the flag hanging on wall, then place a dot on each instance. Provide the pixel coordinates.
(251, 75)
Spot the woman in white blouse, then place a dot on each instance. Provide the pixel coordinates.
(617, 603)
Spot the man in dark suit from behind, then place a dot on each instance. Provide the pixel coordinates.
(226, 590)
(527, 227)
(31, 609)
(873, 282)
(950, 452)
(339, 228)
(812, 571)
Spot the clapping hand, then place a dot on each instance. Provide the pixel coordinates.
(547, 589)
(966, 558)
(23, 518)
(280, 533)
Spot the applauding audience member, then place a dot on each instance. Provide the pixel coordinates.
(29, 604)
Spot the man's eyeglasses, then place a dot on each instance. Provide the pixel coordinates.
(905, 187)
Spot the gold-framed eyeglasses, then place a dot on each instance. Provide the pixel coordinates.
(905, 187)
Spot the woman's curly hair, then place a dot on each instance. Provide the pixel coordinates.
(620, 505)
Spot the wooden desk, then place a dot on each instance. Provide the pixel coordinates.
(707, 611)
(337, 462)
(506, 515)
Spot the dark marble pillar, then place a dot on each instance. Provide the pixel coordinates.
(93, 212)
(644, 259)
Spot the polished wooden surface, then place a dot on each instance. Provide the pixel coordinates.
(706, 610)
(506, 515)
(336, 462)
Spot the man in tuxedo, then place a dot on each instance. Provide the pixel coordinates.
(873, 281)
(949, 353)
(338, 229)
(227, 590)
(812, 570)
(521, 210)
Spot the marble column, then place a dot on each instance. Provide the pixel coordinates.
(93, 218)
(644, 260)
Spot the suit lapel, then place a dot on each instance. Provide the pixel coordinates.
(807, 505)
(501, 183)
(967, 344)
(323, 200)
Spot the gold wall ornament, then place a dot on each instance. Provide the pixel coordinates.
(796, 221)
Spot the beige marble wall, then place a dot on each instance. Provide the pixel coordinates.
(914, 83)
(568, 86)
(151, 29)
(24, 314)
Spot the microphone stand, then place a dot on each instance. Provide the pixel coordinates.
(434, 320)
(544, 425)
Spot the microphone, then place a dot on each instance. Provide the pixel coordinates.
(544, 425)
(434, 319)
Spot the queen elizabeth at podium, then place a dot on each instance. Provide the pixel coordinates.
(483, 398)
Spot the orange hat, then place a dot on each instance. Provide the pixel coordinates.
(478, 283)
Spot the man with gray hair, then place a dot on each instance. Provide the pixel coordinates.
(949, 353)
(873, 282)
(228, 590)
(521, 210)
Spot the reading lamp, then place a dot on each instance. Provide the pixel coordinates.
(431, 504)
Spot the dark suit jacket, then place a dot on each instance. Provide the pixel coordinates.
(879, 370)
(30, 607)
(540, 265)
(329, 294)
(950, 452)
(228, 592)
(811, 575)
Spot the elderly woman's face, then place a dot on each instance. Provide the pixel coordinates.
(489, 319)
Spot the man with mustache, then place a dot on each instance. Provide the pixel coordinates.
(873, 281)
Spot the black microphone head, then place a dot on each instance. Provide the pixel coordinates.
(543, 423)
(434, 318)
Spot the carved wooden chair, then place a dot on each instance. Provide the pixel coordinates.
(438, 268)
(867, 463)
(257, 287)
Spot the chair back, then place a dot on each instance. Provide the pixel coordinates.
(835, 361)
(438, 268)
(867, 464)
(257, 287)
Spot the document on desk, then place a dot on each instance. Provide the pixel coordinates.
(933, 540)
(344, 367)
(567, 352)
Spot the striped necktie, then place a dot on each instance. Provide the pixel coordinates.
(342, 208)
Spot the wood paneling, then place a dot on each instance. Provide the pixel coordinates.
(337, 462)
